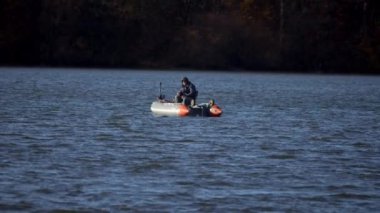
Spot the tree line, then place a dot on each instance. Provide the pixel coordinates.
(292, 35)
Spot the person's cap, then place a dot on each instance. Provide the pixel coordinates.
(185, 79)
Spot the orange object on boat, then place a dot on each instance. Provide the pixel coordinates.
(215, 111)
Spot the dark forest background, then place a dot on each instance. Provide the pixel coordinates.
(294, 35)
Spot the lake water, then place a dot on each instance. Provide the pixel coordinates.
(85, 140)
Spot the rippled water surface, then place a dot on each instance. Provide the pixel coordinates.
(85, 140)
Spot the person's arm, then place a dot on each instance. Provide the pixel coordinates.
(192, 91)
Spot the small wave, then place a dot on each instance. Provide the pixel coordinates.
(105, 137)
(334, 188)
(318, 198)
(45, 191)
(10, 134)
(353, 196)
(282, 156)
(361, 145)
(144, 167)
(321, 138)
(369, 176)
(34, 137)
(20, 206)
(78, 210)
(219, 183)
(166, 139)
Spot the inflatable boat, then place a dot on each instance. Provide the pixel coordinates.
(163, 107)
(169, 108)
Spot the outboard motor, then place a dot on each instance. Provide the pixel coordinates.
(162, 96)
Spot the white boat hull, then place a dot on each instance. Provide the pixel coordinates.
(162, 108)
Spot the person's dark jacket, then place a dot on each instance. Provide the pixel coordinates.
(189, 91)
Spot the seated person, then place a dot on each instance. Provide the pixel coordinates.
(187, 94)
